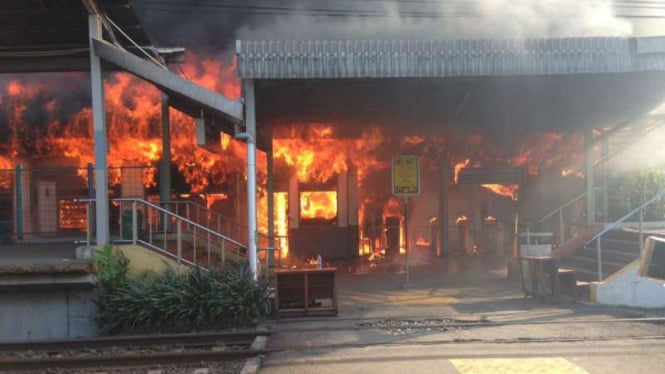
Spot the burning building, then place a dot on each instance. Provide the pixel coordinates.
(345, 108)
(330, 116)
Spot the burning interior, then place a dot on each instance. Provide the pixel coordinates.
(331, 142)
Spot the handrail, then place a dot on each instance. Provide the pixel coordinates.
(204, 208)
(565, 205)
(615, 224)
(218, 214)
(185, 220)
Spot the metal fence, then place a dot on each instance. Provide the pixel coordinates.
(44, 203)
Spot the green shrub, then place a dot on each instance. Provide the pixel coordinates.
(173, 302)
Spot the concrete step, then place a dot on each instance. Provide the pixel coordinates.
(608, 255)
(621, 245)
(583, 275)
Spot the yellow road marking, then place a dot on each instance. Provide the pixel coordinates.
(421, 299)
(550, 365)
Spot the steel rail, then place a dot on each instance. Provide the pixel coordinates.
(134, 341)
(127, 360)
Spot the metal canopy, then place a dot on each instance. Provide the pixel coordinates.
(51, 36)
(183, 95)
(295, 59)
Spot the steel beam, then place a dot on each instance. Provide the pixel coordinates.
(91, 6)
(100, 137)
(178, 89)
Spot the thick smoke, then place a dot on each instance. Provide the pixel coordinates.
(202, 25)
(627, 149)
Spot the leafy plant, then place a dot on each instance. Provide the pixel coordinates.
(634, 188)
(172, 301)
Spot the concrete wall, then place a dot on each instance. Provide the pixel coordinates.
(47, 314)
(626, 287)
(37, 305)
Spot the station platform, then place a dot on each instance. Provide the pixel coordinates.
(47, 292)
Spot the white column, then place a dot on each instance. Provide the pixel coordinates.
(250, 137)
(99, 130)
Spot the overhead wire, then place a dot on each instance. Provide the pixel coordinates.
(217, 7)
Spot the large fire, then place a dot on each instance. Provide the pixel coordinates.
(318, 205)
(315, 153)
(133, 123)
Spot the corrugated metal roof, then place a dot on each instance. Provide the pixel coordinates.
(447, 58)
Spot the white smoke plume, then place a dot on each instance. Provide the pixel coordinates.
(209, 26)
(445, 19)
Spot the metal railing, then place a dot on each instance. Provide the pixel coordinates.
(169, 234)
(226, 226)
(560, 226)
(209, 218)
(608, 227)
(185, 240)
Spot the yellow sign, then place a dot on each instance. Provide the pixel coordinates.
(406, 175)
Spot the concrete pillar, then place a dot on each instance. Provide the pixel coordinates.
(294, 203)
(588, 164)
(442, 216)
(100, 136)
(22, 201)
(342, 200)
(353, 199)
(271, 199)
(353, 195)
(165, 165)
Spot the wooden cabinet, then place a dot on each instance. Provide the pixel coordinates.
(302, 292)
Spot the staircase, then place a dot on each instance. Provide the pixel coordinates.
(612, 248)
(610, 244)
(169, 234)
(618, 249)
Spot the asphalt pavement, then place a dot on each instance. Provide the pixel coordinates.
(464, 316)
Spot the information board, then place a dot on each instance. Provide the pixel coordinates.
(506, 175)
(406, 175)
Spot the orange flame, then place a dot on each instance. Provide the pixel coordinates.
(282, 222)
(459, 166)
(421, 241)
(212, 198)
(572, 172)
(133, 122)
(318, 205)
(315, 153)
(503, 190)
(5, 178)
(461, 218)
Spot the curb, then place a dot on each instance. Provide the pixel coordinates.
(253, 364)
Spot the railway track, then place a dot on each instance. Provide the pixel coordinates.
(138, 351)
(129, 351)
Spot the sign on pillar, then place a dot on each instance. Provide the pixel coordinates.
(405, 183)
(406, 176)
